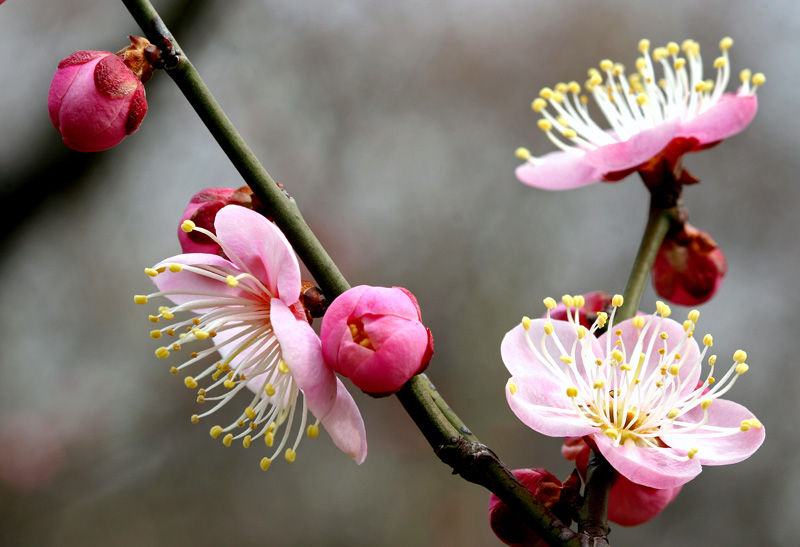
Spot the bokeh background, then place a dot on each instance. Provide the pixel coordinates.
(394, 125)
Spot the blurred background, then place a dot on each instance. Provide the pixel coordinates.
(394, 125)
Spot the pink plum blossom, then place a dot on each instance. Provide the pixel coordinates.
(247, 303)
(95, 100)
(374, 336)
(635, 392)
(689, 267)
(629, 504)
(647, 117)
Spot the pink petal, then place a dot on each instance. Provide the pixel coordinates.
(334, 324)
(559, 171)
(541, 403)
(263, 249)
(690, 354)
(631, 504)
(301, 351)
(520, 359)
(731, 114)
(718, 450)
(638, 149)
(385, 301)
(192, 283)
(653, 467)
(344, 424)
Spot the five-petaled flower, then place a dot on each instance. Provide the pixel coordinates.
(248, 305)
(650, 120)
(635, 393)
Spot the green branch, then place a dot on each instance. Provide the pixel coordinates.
(450, 438)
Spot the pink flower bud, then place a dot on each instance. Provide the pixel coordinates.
(95, 100)
(508, 527)
(689, 267)
(629, 504)
(203, 209)
(373, 335)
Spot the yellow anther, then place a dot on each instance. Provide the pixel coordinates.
(523, 153)
(175, 268)
(638, 322)
(641, 99)
(726, 43)
(626, 367)
(269, 389)
(598, 362)
(569, 133)
(195, 322)
(694, 315)
(687, 325)
(580, 301)
(745, 426)
(265, 463)
(744, 75)
(538, 104)
(162, 352)
(741, 368)
(602, 319)
(227, 439)
(290, 455)
(708, 340)
(574, 87)
(153, 318)
(677, 356)
(283, 367)
(250, 413)
(599, 384)
(712, 360)
(674, 369)
(176, 347)
(228, 383)
(195, 418)
(617, 356)
(594, 81)
(711, 380)
(215, 432)
(544, 125)
(155, 334)
(672, 414)
(740, 356)
(269, 439)
(546, 93)
(705, 403)
(606, 65)
(246, 441)
(659, 53)
(759, 79)
(720, 62)
(548, 328)
(187, 226)
(313, 431)
(617, 300)
(140, 299)
(200, 334)
(663, 336)
(691, 453)
(566, 359)
(201, 399)
(611, 433)
(151, 272)
(190, 382)
(568, 301)
(659, 384)
(662, 351)
(679, 63)
(581, 332)
(561, 87)
(550, 303)
(526, 323)
(644, 45)
(572, 391)
(168, 315)
(231, 281)
(641, 64)
(619, 68)
(673, 48)
(174, 370)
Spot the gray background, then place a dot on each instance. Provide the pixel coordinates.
(394, 125)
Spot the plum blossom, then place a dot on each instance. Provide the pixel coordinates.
(635, 392)
(375, 337)
(248, 304)
(648, 118)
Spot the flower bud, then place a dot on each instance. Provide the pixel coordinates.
(689, 267)
(508, 527)
(373, 335)
(203, 209)
(629, 504)
(95, 100)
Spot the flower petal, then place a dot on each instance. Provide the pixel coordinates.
(345, 426)
(334, 324)
(541, 403)
(636, 150)
(718, 450)
(263, 249)
(731, 114)
(192, 283)
(386, 301)
(559, 171)
(653, 467)
(301, 351)
(631, 504)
